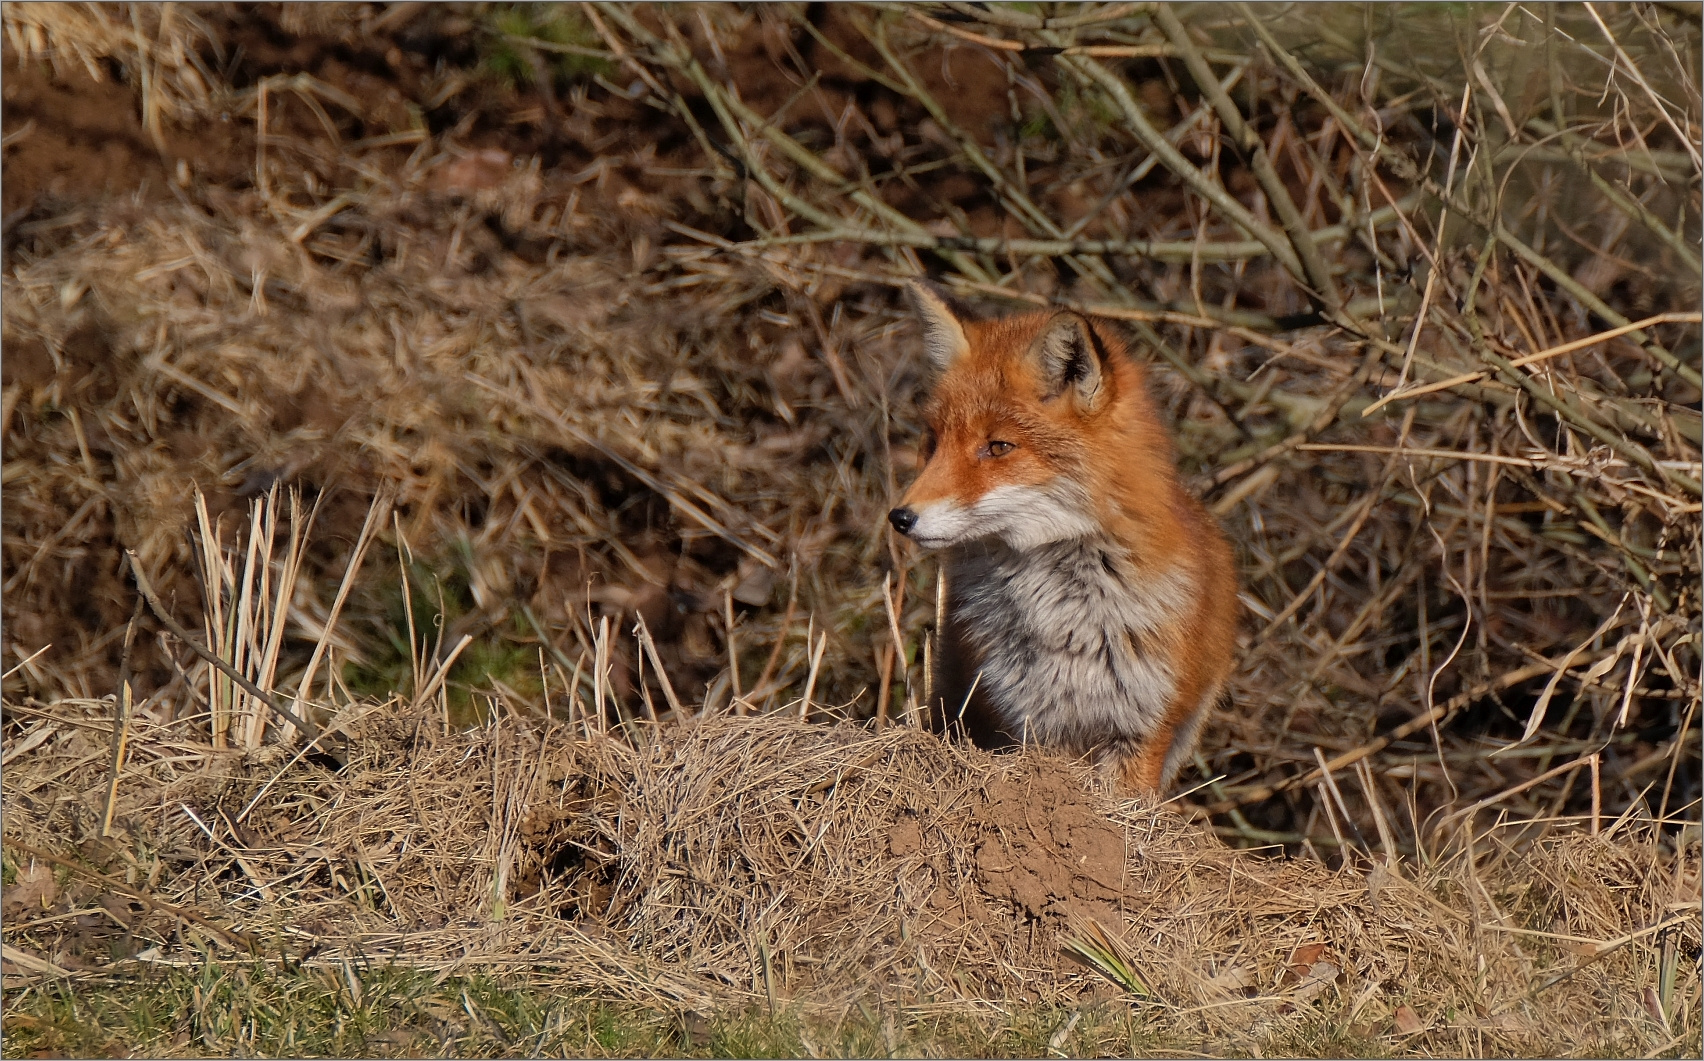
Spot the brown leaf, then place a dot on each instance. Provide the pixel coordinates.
(1319, 976)
(1407, 1021)
(1301, 960)
(756, 582)
(33, 892)
(472, 172)
(1231, 982)
(118, 908)
(1654, 1006)
(1307, 954)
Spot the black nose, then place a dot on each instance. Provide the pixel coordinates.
(903, 519)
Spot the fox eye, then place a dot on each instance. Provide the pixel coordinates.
(1000, 449)
(928, 443)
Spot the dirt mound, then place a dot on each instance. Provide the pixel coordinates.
(844, 850)
(1047, 850)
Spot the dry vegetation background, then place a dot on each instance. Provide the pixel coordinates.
(513, 394)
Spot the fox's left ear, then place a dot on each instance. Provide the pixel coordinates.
(1069, 357)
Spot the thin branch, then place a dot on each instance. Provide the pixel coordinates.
(1013, 18)
(1315, 273)
(1405, 168)
(1439, 715)
(1170, 157)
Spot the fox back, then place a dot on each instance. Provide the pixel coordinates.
(1091, 600)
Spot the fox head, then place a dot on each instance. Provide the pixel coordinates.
(1011, 450)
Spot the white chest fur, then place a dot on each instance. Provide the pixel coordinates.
(1060, 631)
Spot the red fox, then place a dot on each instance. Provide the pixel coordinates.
(1091, 602)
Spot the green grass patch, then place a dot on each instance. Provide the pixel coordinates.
(510, 26)
(439, 594)
(261, 1010)
(256, 1009)
(266, 1010)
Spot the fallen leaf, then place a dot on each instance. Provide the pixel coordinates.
(119, 908)
(755, 584)
(1320, 975)
(1307, 954)
(1301, 960)
(1407, 1021)
(1654, 1006)
(1375, 881)
(1231, 982)
(34, 891)
(30, 741)
(473, 172)
(1512, 1023)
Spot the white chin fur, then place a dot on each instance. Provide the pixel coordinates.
(1024, 517)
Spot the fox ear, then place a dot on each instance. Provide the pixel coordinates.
(1069, 358)
(943, 335)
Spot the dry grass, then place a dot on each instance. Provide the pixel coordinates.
(730, 863)
(616, 355)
